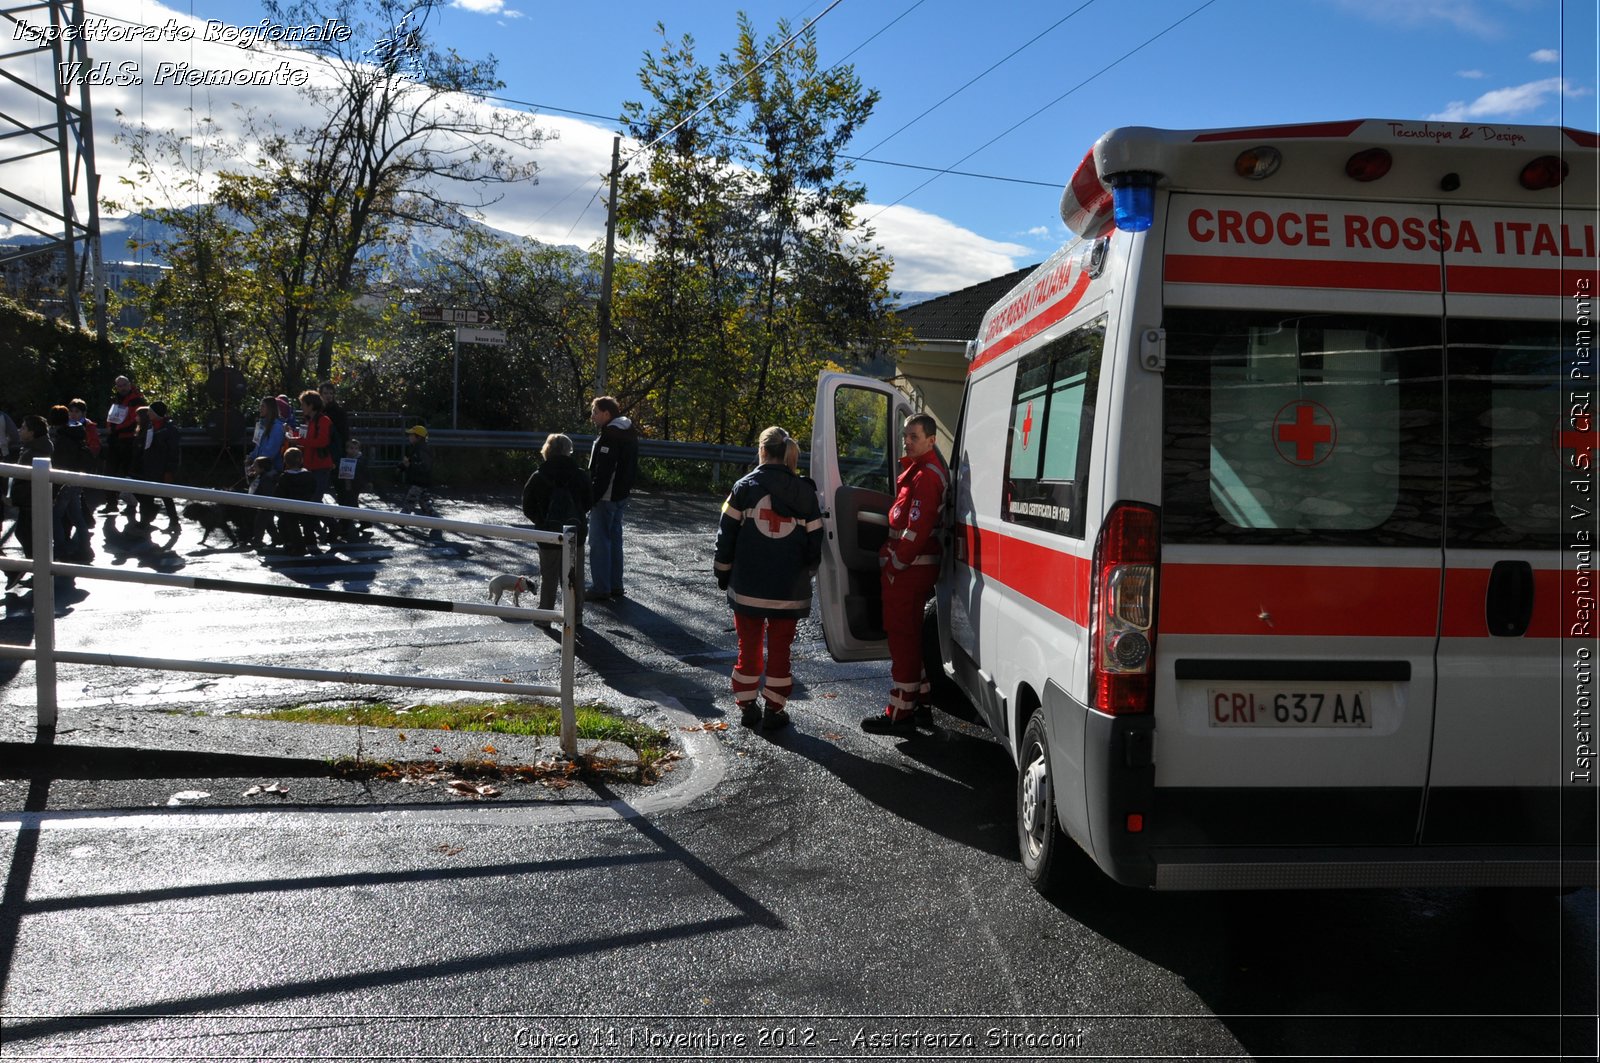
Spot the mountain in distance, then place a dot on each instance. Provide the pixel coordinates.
(415, 255)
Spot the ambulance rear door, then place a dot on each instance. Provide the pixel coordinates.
(1301, 523)
(1506, 765)
(855, 457)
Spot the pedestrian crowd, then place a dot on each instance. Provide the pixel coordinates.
(768, 544)
(307, 454)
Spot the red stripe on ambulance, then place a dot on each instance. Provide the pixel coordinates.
(1301, 273)
(1299, 600)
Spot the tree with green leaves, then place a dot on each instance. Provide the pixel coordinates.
(753, 272)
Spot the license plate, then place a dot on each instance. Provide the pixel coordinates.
(1319, 707)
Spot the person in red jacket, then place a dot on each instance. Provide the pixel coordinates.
(909, 564)
(314, 437)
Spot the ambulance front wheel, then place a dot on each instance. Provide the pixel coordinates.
(1044, 847)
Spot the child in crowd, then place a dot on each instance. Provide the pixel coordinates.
(297, 533)
(416, 472)
(349, 478)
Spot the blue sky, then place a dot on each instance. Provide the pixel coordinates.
(1194, 64)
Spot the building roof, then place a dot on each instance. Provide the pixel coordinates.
(956, 316)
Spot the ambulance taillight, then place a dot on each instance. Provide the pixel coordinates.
(1122, 609)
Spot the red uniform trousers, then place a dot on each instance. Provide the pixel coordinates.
(903, 602)
(778, 635)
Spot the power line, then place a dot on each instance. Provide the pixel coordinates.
(1012, 128)
(738, 80)
(1001, 62)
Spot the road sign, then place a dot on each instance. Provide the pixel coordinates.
(450, 315)
(493, 336)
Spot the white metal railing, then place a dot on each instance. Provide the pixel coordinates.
(45, 568)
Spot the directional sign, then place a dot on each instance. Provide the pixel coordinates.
(493, 336)
(454, 315)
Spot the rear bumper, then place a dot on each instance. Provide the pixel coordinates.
(1324, 868)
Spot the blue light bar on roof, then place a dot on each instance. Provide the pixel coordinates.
(1133, 200)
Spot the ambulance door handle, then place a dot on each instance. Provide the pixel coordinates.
(1508, 606)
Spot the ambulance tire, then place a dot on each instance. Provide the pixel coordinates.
(1047, 853)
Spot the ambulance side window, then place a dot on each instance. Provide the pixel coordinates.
(1516, 436)
(1052, 423)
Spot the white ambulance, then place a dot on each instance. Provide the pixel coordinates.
(1273, 511)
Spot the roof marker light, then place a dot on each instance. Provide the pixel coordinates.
(1368, 165)
(1133, 200)
(1547, 171)
(1258, 163)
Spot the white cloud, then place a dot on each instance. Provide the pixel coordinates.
(1513, 102)
(933, 254)
(930, 253)
(1038, 232)
(486, 7)
(1471, 75)
(1468, 16)
(1546, 55)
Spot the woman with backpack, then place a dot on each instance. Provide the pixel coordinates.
(555, 496)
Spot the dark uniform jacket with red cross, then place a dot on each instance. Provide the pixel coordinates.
(769, 541)
(914, 519)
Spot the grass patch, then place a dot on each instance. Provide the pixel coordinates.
(651, 747)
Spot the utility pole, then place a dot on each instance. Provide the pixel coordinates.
(604, 349)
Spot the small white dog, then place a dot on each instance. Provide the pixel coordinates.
(515, 584)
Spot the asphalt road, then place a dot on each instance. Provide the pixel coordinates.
(817, 893)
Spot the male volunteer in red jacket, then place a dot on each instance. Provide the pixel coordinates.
(909, 563)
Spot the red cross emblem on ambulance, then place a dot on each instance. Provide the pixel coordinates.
(1304, 433)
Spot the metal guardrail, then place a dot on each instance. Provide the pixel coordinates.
(45, 568)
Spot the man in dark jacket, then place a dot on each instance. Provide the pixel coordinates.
(613, 468)
(35, 436)
(556, 495)
(156, 460)
(769, 541)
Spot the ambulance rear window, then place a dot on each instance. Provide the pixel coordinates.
(1301, 428)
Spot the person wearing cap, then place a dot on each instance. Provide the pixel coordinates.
(416, 471)
(123, 437)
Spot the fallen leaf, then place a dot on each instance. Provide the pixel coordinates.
(556, 784)
(436, 749)
(251, 792)
(448, 850)
(507, 679)
(830, 695)
(183, 796)
(274, 788)
(485, 790)
(490, 749)
(711, 725)
(402, 736)
(460, 786)
(444, 727)
(833, 736)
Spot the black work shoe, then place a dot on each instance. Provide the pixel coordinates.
(774, 719)
(749, 714)
(922, 716)
(617, 596)
(884, 724)
(596, 596)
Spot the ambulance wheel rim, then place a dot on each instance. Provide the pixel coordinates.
(1035, 802)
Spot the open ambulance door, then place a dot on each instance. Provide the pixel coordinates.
(855, 457)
